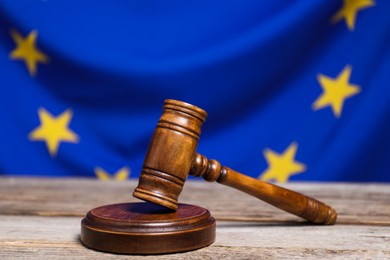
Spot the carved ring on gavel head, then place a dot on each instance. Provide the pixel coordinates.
(172, 156)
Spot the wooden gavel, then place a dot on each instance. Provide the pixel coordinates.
(172, 156)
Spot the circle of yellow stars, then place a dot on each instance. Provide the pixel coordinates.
(335, 91)
(55, 130)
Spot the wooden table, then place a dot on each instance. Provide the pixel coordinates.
(40, 218)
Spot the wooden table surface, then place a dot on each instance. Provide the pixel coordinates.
(40, 218)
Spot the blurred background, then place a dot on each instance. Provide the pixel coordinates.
(294, 90)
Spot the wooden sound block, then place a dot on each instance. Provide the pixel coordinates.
(146, 228)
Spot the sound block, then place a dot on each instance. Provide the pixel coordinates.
(146, 228)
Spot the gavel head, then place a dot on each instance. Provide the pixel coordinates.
(171, 151)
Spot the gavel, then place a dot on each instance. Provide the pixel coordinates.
(172, 157)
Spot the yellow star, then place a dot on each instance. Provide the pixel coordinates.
(282, 166)
(349, 11)
(121, 175)
(336, 91)
(26, 50)
(54, 130)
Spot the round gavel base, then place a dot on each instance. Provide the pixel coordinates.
(146, 228)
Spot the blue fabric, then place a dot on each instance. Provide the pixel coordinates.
(252, 65)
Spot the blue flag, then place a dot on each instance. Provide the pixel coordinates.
(296, 90)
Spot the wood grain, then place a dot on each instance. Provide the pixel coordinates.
(58, 237)
(290, 201)
(41, 218)
(170, 153)
(171, 157)
(363, 204)
(147, 228)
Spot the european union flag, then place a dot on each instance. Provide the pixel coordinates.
(296, 90)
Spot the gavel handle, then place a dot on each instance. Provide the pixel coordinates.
(287, 200)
